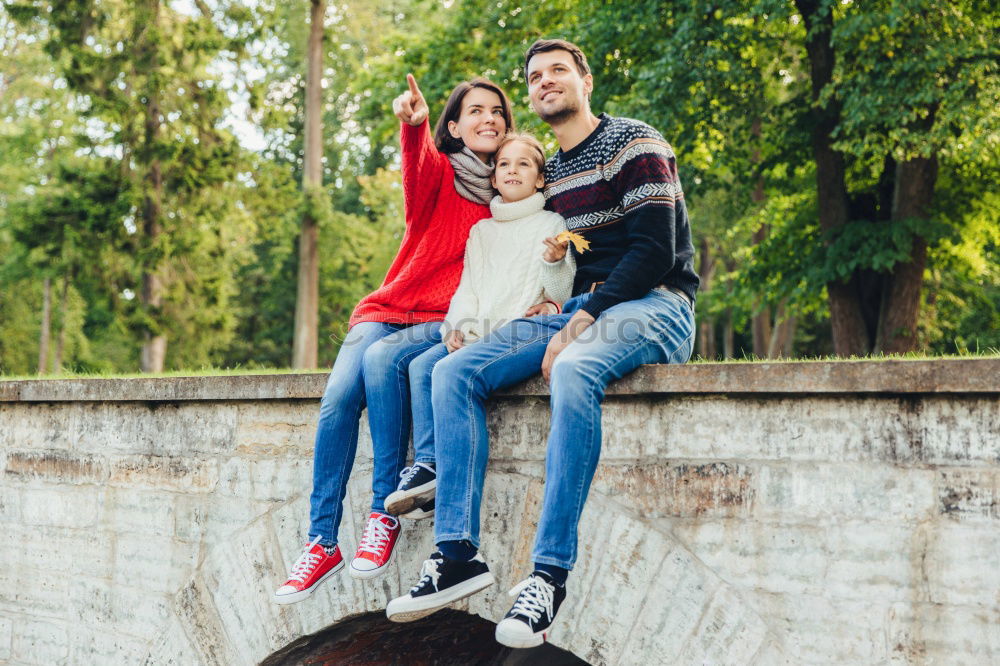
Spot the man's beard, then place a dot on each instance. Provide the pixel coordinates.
(559, 116)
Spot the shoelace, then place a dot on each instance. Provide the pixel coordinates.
(376, 536)
(306, 563)
(534, 595)
(409, 472)
(429, 573)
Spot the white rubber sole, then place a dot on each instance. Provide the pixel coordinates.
(509, 636)
(303, 594)
(418, 514)
(374, 573)
(405, 501)
(408, 609)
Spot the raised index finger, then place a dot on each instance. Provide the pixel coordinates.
(414, 89)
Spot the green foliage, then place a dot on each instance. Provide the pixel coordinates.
(729, 85)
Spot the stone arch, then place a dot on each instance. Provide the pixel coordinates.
(637, 596)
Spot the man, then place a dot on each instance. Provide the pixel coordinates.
(615, 181)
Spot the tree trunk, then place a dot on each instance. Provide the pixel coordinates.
(848, 327)
(305, 346)
(912, 198)
(57, 360)
(706, 329)
(154, 348)
(779, 345)
(43, 335)
(760, 326)
(728, 336)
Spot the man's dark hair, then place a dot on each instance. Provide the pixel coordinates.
(443, 139)
(544, 45)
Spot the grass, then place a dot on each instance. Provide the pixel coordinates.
(237, 372)
(912, 356)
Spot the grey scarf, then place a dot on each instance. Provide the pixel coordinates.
(472, 177)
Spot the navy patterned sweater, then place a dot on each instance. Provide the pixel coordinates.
(619, 189)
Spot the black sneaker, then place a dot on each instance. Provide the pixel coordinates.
(527, 624)
(425, 510)
(417, 485)
(442, 582)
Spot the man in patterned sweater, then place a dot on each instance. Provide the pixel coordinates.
(615, 181)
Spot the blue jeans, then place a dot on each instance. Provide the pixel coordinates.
(371, 369)
(657, 328)
(421, 370)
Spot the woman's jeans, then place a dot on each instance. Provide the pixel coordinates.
(657, 328)
(371, 369)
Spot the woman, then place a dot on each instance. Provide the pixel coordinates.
(446, 188)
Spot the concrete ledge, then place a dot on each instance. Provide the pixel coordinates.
(976, 375)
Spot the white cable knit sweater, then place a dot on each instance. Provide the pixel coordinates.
(504, 273)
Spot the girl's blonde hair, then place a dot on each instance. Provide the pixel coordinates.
(537, 153)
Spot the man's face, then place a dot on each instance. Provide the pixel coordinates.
(555, 86)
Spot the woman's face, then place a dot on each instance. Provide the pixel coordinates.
(480, 125)
(516, 175)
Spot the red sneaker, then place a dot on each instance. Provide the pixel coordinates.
(378, 544)
(312, 568)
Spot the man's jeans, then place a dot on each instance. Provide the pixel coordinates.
(372, 369)
(658, 328)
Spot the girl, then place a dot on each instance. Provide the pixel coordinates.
(446, 189)
(504, 274)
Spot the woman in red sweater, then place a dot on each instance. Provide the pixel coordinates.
(446, 187)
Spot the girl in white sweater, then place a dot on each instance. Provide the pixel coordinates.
(513, 261)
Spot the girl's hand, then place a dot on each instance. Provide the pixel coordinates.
(545, 307)
(454, 341)
(410, 107)
(554, 250)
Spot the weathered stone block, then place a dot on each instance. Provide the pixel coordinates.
(134, 511)
(969, 495)
(932, 633)
(55, 466)
(164, 472)
(677, 596)
(90, 646)
(960, 432)
(283, 429)
(832, 492)
(5, 638)
(38, 641)
(162, 430)
(729, 633)
(956, 569)
(60, 506)
(211, 518)
(157, 564)
(655, 489)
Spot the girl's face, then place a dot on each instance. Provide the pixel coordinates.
(516, 175)
(480, 125)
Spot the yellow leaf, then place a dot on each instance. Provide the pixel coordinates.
(579, 242)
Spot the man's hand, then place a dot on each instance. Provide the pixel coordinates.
(578, 323)
(454, 341)
(410, 107)
(545, 307)
(554, 250)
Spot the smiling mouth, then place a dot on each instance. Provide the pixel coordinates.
(551, 92)
(512, 182)
(488, 133)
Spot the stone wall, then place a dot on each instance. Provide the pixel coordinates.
(742, 513)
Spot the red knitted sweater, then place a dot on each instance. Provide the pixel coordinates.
(426, 271)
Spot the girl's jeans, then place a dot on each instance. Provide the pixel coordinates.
(371, 369)
(657, 328)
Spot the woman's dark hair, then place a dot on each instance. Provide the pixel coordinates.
(443, 139)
